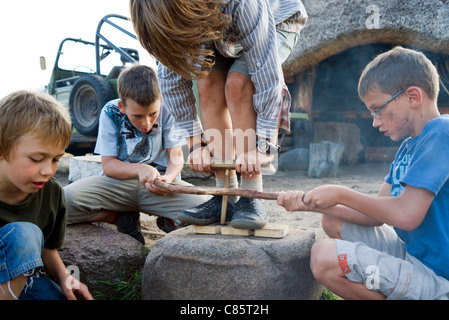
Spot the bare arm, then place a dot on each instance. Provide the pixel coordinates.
(146, 174)
(406, 211)
(293, 201)
(175, 164)
(351, 215)
(117, 169)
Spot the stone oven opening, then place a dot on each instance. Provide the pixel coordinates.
(326, 106)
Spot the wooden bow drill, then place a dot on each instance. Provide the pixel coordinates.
(214, 191)
(225, 192)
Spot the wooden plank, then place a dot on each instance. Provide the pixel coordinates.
(230, 231)
(270, 230)
(209, 229)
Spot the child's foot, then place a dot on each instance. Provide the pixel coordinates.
(129, 223)
(249, 213)
(206, 213)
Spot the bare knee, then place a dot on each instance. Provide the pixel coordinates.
(332, 226)
(11, 290)
(204, 85)
(323, 259)
(238, 88)
(210, 85)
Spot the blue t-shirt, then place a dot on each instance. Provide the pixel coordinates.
(423, 162)
(117, 137)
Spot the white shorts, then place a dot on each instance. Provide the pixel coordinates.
(376, 257)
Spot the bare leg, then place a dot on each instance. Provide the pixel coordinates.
(215, 116)
(12, 290)
(105, 216)
(327, 271)
(332, 226)
(239, 96)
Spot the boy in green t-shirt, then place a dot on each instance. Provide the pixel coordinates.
(34, 132)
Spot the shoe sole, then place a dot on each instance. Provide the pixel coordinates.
(247, 224)
(191, 220)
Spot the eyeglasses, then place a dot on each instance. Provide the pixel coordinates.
(376, 112)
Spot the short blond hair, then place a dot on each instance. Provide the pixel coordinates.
(25, 112)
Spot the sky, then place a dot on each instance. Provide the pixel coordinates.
(30, 29)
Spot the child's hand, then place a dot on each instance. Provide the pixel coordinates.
(323, 197)
(73, 289)
(157, 190)
(147, 175)
(292, 201)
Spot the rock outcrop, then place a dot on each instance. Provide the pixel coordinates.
(100, 254)
(189, 266)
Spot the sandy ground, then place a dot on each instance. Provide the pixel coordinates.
(366, 178)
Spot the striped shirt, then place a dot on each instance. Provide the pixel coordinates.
(253, 27)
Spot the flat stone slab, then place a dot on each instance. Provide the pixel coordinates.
(84, 166)
(188, 266)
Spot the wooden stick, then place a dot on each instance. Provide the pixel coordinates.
(224, 201)
(267, 168)
(214, 191)
(153, 233)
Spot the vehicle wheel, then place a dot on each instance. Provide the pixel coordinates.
(89, 94)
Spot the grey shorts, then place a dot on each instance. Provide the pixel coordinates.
(286, 41)
(376, 257)
(85, 197)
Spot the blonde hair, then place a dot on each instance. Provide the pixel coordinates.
(399, 69)
(25, 112)
(175, 32)
(138, 83)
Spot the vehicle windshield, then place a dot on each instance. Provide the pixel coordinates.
(79, 56)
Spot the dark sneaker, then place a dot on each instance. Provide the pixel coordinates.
(167, 225)
(249, 213)
(206, 213)
(129, 223)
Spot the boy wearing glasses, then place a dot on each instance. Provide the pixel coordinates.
(393, 245)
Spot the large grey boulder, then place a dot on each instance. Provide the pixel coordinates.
(185, 265)
(96, 254)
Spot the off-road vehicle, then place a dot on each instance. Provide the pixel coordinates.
(84, 75)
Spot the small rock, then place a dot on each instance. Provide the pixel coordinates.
(296, 159)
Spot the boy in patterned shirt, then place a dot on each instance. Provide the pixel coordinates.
(137, 146)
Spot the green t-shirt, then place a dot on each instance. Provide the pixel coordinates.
(46, 208)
